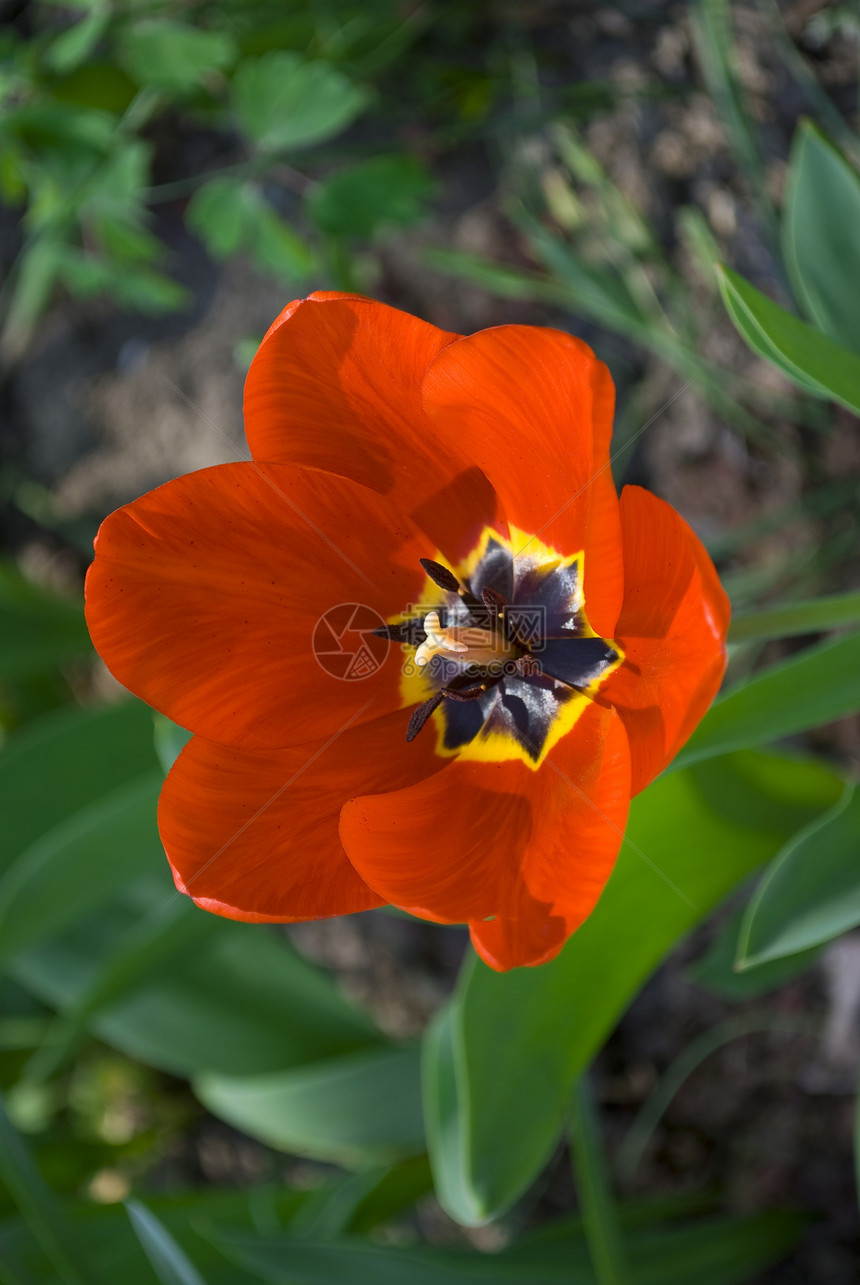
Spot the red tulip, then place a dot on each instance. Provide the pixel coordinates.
(448, 501)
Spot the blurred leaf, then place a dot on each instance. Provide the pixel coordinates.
(355, 1109)
(811, 891)
(802, 353)
(220, 215)
(600, 1221)
(73, 46)
(502, 279)
(718, 974)
(101, 85)
(66, 761)
(395, 1189)
(358, 200)
(821, 235)
(442, 1118)
(37, 270)
(148, 291)
(719, 1251)
(171, 55)
(816, 616)
(519, 1039)
(171, 1264)
(230, 215)
(243, 1003)
(38, 629)
(157, 943)
(78, 864)
(284, 102)
(711, 22)
(817, 686)
(169, 740)
(103, 1234)
(277, 249)
(36, 1202)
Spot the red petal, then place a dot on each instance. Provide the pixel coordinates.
(336, 385)
(673, 629)
(533, 849)
(252, 834)
(533, 409)
(205, 594)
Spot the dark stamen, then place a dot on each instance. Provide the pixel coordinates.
(408, 631)
(493, 600)
(463, 693)
(440, 575)
(420, 715)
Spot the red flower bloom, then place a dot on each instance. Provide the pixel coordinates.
(559, 645)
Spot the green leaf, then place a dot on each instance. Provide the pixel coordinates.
(718, 974)
(161, 941)
(243, 1003)
(83, 753)
(79, 864)
(277, 249)
(808, 357)
(36, 1202)
(602, 1226)
(811, 892)
(170, 1263)
(220, 214)
(817, 686)
(360, 199)
(38, 629)
(718, 1251)
(283, 102)
(439, 1078)
(172, 56)
(521, 1038)
(355, 1109)
(818, 615)
(73, 46)
(150, 292)
(821, 235)
(230, 215)
(169, 740)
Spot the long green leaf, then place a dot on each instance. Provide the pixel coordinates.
(170, 1263)
(817, 686)
(521, 1038)
(821, 235)
(353, 1110)
(817, 615)
(38, 629)
(79, 864)
(36, 1202)
(719, 1251)
(65, 761)
(599, 1213)
(810, 358)
(243, 1003)
(811, 892)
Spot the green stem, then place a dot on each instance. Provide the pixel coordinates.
(597, 1205)
(697, 1051)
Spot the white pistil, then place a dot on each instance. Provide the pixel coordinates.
(439, 641)
(466, 644)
